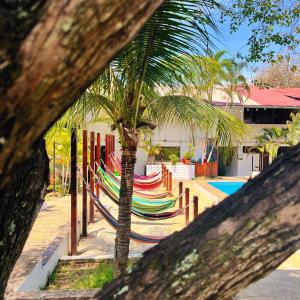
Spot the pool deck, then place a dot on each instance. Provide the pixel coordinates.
(100, 241)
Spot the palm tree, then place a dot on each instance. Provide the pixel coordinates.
(205, 74)
(129, 92)
(108, 94)
(270, 140)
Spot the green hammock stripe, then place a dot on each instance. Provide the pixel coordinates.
(139, 204)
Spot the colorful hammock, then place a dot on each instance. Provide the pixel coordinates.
(142, 194)
(138, 178)
(142, 185)
(138, 213)
(141, 205)
(114, 223)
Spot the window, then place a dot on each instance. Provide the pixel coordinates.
(247, 150)
(267, 115)
(165, 152)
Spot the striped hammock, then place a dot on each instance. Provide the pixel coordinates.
(137, 178)
(142, 205)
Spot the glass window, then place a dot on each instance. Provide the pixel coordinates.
(267, 115)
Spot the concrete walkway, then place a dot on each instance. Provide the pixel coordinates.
(53, 217)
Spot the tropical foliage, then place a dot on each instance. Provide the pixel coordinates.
(215, 72)
(293, 129)
(270, 140)
(274, 27)
(58, 144)
(273, 138)
(130, 93)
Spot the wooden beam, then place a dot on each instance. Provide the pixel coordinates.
(195, 200)
(106, 150)
(73, 192)
(180, 193)
(92, 164)
(166, 177)
(112, 149)
(170, 183)
(187, 208)
(85, 179)
(54, 167)
(98, 148)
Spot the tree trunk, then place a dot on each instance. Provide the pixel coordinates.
(227, 247)
(124, 215)
(50, 52)
(21, 200)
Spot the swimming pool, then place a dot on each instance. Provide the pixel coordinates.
(227, 187)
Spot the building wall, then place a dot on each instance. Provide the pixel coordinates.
(180, 136)
(241, 164)
(166, 136)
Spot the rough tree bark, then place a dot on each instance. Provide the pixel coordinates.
(50, 51)
(228, 246)
(124, 213)
(20, 202)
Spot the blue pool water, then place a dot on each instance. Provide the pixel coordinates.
(226, 186)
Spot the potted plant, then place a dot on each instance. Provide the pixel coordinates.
(188, 155)
(151, 150)
(174, 159)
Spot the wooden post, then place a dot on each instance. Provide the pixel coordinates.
(167, 180)
(187, 208)
(180, 193)
(112, 151)
(73, 192)
(92, 164)
(85, 179)
(98, 147)
(170, 183)
(106, 151)
(54, 166)
(195, 200)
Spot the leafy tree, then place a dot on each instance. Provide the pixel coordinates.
(279, 74)
(274, 25)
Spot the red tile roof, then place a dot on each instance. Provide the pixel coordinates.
(283, 97)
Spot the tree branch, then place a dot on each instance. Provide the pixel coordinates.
(63, 47)
(227, 247)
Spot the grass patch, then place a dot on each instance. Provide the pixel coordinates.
(76, 275)
(97, 278)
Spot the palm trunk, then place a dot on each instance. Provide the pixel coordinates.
(124, 218)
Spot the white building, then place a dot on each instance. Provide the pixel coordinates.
(263, 108)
